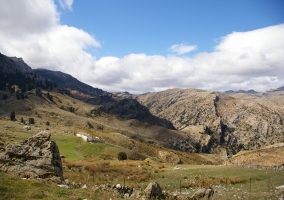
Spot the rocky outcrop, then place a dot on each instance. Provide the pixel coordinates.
(35, 157)
(169, 157)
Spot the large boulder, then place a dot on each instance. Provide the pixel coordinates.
(35, 157)
(153, 190)
(169, 157)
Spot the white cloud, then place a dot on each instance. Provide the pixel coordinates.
(248, 60)
(31, 29)
(242, 60)
(182, 48)
(21, 18)
(66, 4)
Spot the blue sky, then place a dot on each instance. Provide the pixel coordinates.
(151, 27)
(147, 46)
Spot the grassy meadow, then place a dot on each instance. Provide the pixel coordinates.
(96, 163)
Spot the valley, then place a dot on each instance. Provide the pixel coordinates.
(184, 139)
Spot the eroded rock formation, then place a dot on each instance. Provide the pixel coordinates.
(35, 157)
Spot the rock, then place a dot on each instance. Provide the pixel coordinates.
(84, 186)
(153, 190)
(202, 193)
(280, 187)
(27, 128)
(118, 186)
(35, 157)
(63, 186)
(137, 194)
(169, 157)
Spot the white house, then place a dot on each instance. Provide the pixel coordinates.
(86, 137)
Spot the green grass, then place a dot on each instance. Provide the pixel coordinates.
(74, 148)
(261, 186)
(14, 188)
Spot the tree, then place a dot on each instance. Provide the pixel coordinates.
(38, 92)
(22, 95)
(12, 116)
(31, 120)
(5, 96)
(18, 95)
(122, 156)
(49, 96)
(12, 90)
(2, 85)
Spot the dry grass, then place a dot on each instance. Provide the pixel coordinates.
(197, 181)
(102, 172)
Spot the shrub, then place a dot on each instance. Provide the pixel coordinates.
(12, 116)
(38, 92)
(5, 96)
(47, 123)
(31, 120)
(122, 156)
(135, 155)
(49, 96)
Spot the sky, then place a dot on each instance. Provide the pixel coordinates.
(144, 46)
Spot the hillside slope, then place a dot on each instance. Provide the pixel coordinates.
(221, 123)
(64, 80)
(133, 135)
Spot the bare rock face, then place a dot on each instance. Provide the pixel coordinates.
(35, 157)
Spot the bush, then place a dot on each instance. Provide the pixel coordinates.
(31, 120)
(38, 92)
(47, 123)
(12, 116)
(49, 96)
(122, 156)
(135, 155)
(5, 96)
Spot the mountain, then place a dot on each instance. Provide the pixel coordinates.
(189, 120)
(67, 81)
(12, 65)
(241, 91)
(220, 122)
(124, 108)
(15, 72)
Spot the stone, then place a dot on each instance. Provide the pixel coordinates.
(118, 186)
(206, 193)
(35, 157)
(27, 128)
(153, 190)
(169, 157)
(63, 186)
